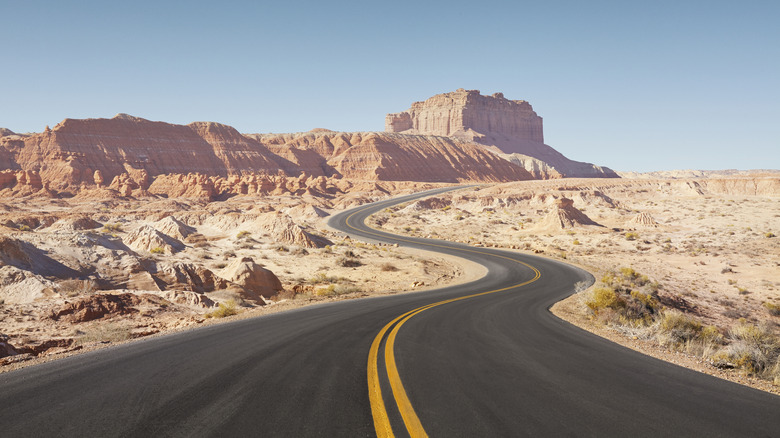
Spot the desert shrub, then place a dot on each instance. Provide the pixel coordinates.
(603, 298)
(754, 348)
(772, 308)
(335, 290)
(347, 262)
(322, 277)
(299, 251)
(103, 332)
(769, 235)
(157, 250)
(327, 291)
(632, 235)
(72, 288)
(225, 309)
(349, 253)
(388, 267)
(674, 328)
(242, 234)
(575, 242)
(112, 228)
(25, 228)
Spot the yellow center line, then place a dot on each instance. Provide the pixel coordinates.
(378, 409)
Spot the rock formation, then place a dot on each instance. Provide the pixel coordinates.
(643, 220)
(256, 280)
(147, 239)
(564, 215)
(173, 227)
(507, 126)
(131, 156)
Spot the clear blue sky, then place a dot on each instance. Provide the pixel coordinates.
(634, 85)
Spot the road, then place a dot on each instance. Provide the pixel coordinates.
(479, 359)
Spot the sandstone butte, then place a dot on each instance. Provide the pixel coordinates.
(135, 156)
(510, 128)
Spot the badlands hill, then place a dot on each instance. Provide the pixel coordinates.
(128, 154)
(510, 128)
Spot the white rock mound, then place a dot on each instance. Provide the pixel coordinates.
(147, 239)
(564, 215)
(173, 227)
(643, 220)
(256, 281)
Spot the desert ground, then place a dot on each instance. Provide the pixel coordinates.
(85, 272)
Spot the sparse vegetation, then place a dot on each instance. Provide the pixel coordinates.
(228, 308)
(388, 267)
(631, 235)
(105, 332)
(629, 300)
(157, 250)
(243, 234)
(112, 228)
(772, 308)
(335, 290)
(72, 288)
(322, 277)
(348, 262)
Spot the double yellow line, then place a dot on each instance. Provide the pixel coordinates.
(409, 416)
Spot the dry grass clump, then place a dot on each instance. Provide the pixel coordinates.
(113, 332)
(112, 228)
(334, 290)
(228, 308)
(388, 267)
(348, 262)
(74, 287)
(772, 308)
(753, 348)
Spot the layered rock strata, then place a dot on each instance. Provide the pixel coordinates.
(506, 126)
(131, 156)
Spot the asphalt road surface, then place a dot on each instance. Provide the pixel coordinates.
(482, 359)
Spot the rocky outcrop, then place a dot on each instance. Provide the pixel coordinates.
(170, 226)
(564, 215)
(74, 151)
(397, 157)
(643, 220)
(78, 223)
(507, 126)
(97, 306)
(189, 277)
(147, 239)
(130, 156)
(253, 278)
(281, 228)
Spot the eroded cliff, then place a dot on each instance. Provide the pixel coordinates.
(505, 126)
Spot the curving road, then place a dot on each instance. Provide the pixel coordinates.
(473, 360)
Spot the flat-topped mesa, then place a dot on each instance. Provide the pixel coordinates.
(466, 114)
(505, 126)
